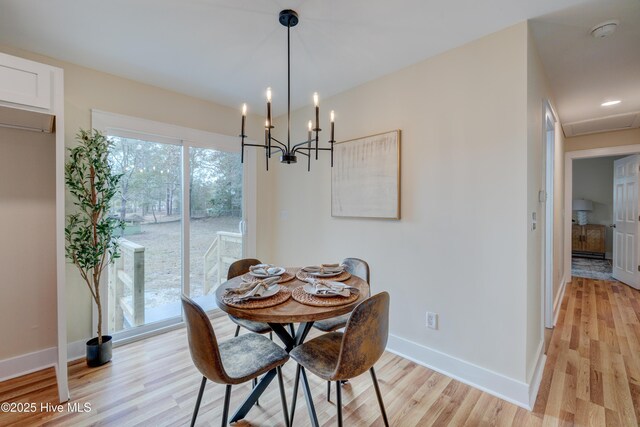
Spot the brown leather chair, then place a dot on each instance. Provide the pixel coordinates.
(236, 269)
(357, 267)
(235, 361)
(338, 356)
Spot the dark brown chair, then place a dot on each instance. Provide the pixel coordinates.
(356, 267)
(236, 269)
(338, 356)
(235, 361)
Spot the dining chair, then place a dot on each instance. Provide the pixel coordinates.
(357, 267)
(232, 362)
(238, 268)
(338, 356)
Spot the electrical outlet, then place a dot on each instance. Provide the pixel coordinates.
(432, 320)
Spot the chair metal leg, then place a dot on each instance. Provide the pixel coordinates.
(271, 335)
(380, 402)
(328, 391)
(237, 331)
(225, 410)
(339, 402)
(198, 400)
(295, 394)
(313, 417)
(283, 397)
(255, 383)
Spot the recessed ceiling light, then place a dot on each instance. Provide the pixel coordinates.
(610, 103)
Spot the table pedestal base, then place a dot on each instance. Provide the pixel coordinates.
(290, 341)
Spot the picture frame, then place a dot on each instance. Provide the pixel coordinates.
(365, 178)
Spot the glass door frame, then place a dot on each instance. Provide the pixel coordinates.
(133, 127)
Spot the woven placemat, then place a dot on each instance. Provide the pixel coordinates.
(282, 295)
(286, 276)
(345, 275)
(302, 297)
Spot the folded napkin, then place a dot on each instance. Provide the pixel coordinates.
(264, 269)
(323, 287)
(324, 268)
(250, 290)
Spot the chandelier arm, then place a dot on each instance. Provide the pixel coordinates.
(275, 147)
(300, 144)
(275, 140)
(312, 149)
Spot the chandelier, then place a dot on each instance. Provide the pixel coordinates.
(289, 18)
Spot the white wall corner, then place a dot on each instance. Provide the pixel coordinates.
(559, 297)
(498, 385)
(536, 375)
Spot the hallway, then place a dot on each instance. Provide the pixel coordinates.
(592, 376)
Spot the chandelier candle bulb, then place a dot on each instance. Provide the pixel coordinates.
(244, 116)
(309, 133)
(269, 105)
(333, 118)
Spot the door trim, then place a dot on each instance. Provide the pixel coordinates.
(549, 141)
(569, 157)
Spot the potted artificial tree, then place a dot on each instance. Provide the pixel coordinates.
(89, 232)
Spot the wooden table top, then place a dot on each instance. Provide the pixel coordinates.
(291, 311)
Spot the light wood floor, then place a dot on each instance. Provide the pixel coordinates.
(592, 377)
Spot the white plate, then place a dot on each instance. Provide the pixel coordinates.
(279, 272)
(311, 290)
(271, 291)
(318, 274)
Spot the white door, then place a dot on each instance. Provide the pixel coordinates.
(625, 216)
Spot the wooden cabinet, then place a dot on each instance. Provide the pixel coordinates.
(588, 239)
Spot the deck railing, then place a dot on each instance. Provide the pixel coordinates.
(225, 249)
(126, 287)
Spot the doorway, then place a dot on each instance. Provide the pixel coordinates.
(594, 212)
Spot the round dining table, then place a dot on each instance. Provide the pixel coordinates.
(282, 318)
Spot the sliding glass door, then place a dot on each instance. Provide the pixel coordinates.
(182, 206)
(215, 214)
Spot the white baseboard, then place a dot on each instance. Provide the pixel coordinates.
(28, 363)
(38, 360)
(503, 387)
(76, 350)
(558, 301)
(536, 375)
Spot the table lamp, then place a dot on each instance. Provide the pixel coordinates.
(582, 206)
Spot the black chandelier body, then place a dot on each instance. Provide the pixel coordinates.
(289, 18)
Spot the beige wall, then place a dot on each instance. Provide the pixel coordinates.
(86, 89)
(604, 139)
(460, 249)
(27, 251)
(538, 93)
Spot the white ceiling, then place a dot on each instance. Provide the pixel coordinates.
(231, 50)
(585, 72)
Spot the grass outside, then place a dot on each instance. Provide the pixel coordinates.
(163, 261)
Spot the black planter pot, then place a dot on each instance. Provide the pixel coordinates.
(99, 354)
